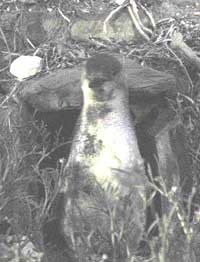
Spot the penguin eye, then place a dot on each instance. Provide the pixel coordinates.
(96, 83)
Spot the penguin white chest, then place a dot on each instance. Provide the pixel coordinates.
(109, 151)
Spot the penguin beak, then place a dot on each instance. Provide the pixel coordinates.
(96, 83)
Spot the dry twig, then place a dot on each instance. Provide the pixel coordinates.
(64, 16)
(137, 26)
(149, 15)
(133, 12)
(108, 18)
(182, 65)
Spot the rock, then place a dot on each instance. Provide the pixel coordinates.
(120, 28)
(57, 91)
(26, 66)
(149, 88)
(61, 89)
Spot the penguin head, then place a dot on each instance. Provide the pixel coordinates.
(101, 77)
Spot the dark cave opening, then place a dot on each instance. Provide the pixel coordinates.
(60, 126)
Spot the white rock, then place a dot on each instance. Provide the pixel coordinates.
(26, 66)
(119, 2)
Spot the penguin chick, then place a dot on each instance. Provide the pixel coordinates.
(104, 168)
(105, 144)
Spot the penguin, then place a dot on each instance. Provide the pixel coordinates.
(105, 145)
(105, 168)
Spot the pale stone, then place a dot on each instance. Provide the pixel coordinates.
(26, 66)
